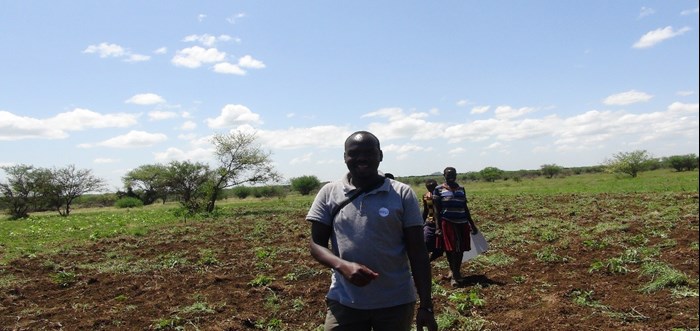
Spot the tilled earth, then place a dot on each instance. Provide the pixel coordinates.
(254, 272)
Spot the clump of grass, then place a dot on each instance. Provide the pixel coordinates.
(662, 276)
(261, 280)
(65, 278)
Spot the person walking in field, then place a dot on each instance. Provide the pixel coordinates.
(454, 222)
(379, 260)
(429, 221)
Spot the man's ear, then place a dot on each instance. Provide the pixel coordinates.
(381, 155)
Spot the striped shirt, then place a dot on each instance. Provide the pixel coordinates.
(452, 203)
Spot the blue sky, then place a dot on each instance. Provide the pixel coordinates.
(111, 85)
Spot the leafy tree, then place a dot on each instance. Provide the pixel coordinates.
(305, 184)
(240, 161)
(191, 182)
(491, 174)
(630, 163)
(69, 183)
(149, 180)
(550, 170)
(23, 188)
(683, 162)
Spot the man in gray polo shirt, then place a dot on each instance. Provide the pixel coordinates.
(377, 252)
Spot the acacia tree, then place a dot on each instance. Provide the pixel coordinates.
(630, 163)
(241, 161)
(190, 182)
(550, 170)
(149, 180)
(69, 183)
(305, 184)
(23, 188)
(490, 174)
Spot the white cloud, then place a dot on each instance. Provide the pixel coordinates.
(402, 152)
(132, 139)
(80, 119)
(627, 98)
(305, 158)
(158, 115)
(679, 107)
(137, 58)
(161, 50)
(188, 125)
(248, 61)
(234, 115)
(654, 37)
(480, 109)
(510, 112)
(195, 56)
(325, 136)
(13, 127)
(146, 99)
(462, 103)
(685, 93)
(106, 50)
(228, 68)
(176, 154)
(105, 160)
(690, 11)
(645, 11)
(234, 18)
(201, 17)
(206, 39)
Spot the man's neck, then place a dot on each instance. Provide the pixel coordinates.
(365, 183)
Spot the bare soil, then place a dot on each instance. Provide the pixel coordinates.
(184, 291)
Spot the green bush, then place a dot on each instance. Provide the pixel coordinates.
(305, 184)
(128, 202)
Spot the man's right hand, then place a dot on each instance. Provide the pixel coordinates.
(357, 274)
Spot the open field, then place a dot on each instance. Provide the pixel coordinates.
(577, 253)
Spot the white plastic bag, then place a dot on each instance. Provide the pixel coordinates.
(478, 244)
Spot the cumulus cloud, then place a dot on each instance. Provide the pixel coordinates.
(480, 109)
(195, 56)
(15, 127)
(646, 11)
(510, 112)
(176, 154)
(234, 115)
(235, 17)
(146, 99)
(305, 158)
(228, 68)
(188, 126)
(248, 61)
(105, 160)
(132, 139)
(654, 37)
(105, 50)
(324, 136)
(158, 115)
(207, 39)
(690, 11)
(627, 98)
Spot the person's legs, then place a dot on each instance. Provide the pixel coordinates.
(455, 261)
(398, 318)
(342, 318)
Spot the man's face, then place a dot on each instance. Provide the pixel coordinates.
(450, 176)
(362, 156)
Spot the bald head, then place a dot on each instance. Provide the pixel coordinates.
(362, 137)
